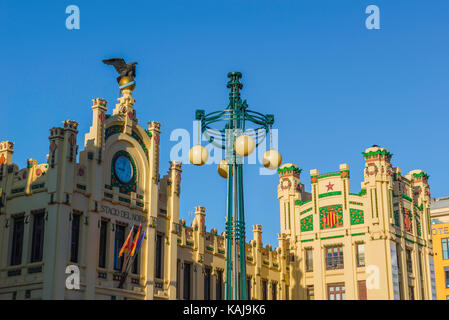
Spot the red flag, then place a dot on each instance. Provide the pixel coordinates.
(125, 247)
(133, 245)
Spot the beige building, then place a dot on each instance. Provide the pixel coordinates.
(333, 244)
(78, 213)
(375, 244)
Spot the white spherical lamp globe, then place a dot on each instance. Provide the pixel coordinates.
(223, 169)
(198, 155)
(244, 145)
(272, 159)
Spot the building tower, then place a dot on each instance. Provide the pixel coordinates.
(289, 192)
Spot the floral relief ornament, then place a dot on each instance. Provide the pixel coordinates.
(156, 138)
(390, 171)
(102, 116)
(286, 184)
(417, 191)
(372, 172)
(178, 184)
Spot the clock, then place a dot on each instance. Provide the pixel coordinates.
(123, 169)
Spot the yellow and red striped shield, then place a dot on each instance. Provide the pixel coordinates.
(331, 218)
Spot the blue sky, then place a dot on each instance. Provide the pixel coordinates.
(334, 87)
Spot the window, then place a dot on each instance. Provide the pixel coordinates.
(411, 292)
(118, 243)
(248, 288)
(103, 244)
(360, 254)
(274, 291)
(409, 260)
(421, 274)
(207, 283)
(159, 248)
(336, 291)
(17, 241)
(310, 293)
(445, 248)
(75, 237)
(419, 264)
(309, 260)
(264, 290)
(399, 259)
(219, 285)
(187, 275)
(37, 245)
(446, 275)
(334, 257)
(362, 289)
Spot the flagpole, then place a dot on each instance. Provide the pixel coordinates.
(124, 273)
(127, 263)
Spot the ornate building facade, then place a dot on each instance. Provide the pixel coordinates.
(375, 244)
(78, 213)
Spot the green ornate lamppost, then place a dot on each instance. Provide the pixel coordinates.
(237, 143)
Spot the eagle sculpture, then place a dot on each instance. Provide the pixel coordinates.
(124, 69)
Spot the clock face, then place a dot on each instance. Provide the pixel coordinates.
(123, 169)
